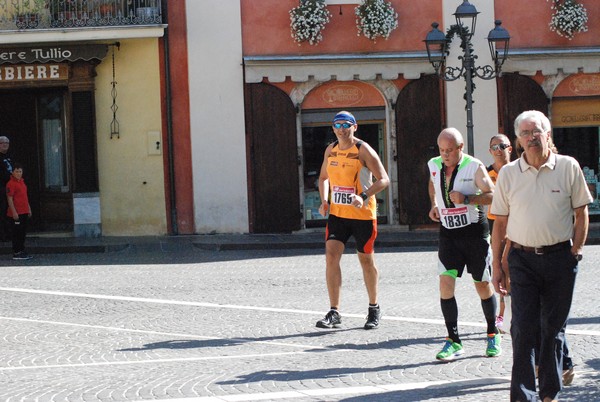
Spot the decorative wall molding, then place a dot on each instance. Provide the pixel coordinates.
(302, 89)
(554, 60)
(552, 82)
(344, 67)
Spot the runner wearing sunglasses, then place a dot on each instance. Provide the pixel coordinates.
(500, 149)
(347, 194)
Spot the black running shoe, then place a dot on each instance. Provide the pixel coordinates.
(21, 255)
(373, 318)
(332, 319)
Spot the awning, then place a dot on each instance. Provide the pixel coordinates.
(57, 53)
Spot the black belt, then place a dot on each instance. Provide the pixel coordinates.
(543, 249)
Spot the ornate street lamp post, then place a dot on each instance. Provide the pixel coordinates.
(438, 48)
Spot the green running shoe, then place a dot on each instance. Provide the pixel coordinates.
(493, 345)
(450, 351)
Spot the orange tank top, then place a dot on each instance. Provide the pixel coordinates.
(347, 175)
(493, 176)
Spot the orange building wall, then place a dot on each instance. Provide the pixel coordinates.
(287, 86)
(266, 29)
(529, 28)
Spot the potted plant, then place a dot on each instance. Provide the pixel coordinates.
(569, 18)
(106, 8)
(308, 20)
(376, 18)
(27, 13)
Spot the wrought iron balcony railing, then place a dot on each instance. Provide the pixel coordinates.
(49, 14)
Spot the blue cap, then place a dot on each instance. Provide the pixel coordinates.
(344, 116)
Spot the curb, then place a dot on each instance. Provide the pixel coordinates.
(225, 242)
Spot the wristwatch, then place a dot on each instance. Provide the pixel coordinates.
(466, 200)
(578, 257)
(364, 196)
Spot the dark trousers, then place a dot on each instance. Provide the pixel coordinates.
(19, 230)
(5, 221)
(542, 291)
(567, 360)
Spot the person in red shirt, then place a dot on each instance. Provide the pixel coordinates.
(19, 210)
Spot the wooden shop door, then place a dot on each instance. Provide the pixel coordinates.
(273, 179)
(33, 120)
(418, 124)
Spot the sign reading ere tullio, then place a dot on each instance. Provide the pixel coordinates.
(46, 54)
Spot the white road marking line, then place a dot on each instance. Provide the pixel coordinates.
(216, 305)
(359, 390)
(153, 361)
(147, 332)
(255, 308)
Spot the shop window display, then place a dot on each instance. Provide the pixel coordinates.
(582, 143)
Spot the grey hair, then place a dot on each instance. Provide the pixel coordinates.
(532, 115)
(4, 138)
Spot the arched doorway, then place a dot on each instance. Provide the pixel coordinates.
(273, 160)
(318, 108)
(516, 94)
(418, 123)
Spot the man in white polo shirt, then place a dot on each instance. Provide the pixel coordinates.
(540, 203)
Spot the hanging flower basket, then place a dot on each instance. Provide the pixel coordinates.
(569, 18)
(308, 20)
(376, 18)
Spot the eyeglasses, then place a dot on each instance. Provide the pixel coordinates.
(497, 147)
(340, 125)
(527, 133)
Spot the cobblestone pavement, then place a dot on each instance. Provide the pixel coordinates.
(162, 321)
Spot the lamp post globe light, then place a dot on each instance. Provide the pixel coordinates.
(438, 48)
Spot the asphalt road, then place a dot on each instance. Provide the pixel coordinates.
(161, 321)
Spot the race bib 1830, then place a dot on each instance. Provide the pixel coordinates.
(454, 218)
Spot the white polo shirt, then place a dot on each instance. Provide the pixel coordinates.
(540, 203)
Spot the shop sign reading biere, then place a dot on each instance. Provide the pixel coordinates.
(33, 72)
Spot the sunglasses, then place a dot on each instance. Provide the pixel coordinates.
(496, 147)
(342, 125)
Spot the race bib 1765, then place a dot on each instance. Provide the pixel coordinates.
(342, 195)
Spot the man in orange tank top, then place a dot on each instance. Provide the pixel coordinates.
(348, 194)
